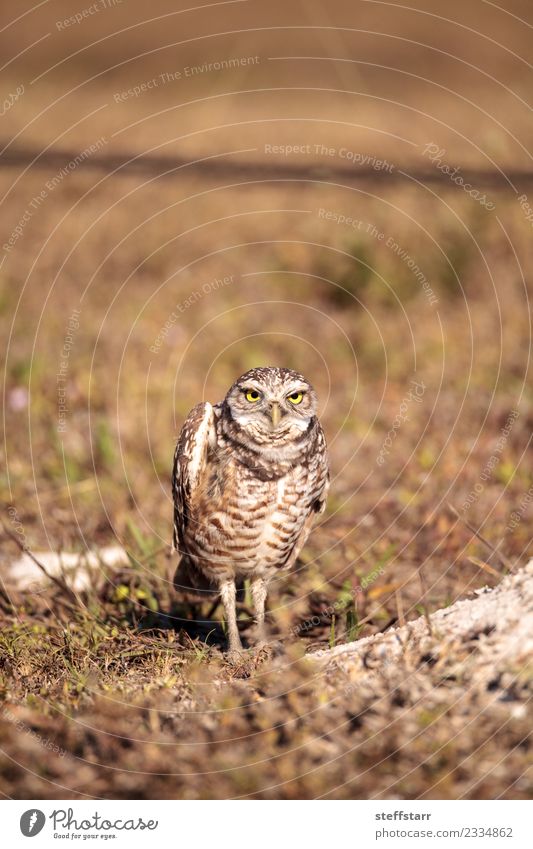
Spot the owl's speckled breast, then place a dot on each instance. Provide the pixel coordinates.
(244, 524)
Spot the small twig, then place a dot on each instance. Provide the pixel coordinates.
(60, 582)
(8, 605)
(423, 600)
(506, 562)
(399, 607)
(482, 565)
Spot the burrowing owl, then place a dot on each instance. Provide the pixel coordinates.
(250, 474)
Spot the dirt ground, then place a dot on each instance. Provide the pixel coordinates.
(128, 294)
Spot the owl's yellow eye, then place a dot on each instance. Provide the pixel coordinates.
(296, 397)
(252, 395)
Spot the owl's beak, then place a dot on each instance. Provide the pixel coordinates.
(275, 413)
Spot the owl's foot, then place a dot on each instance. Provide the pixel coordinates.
(235, 652)
(235, 656)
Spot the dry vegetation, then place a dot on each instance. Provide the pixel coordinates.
(131, 687)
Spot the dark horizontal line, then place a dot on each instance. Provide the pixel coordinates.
(172, 167)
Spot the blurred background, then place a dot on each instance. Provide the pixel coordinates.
(342, 188)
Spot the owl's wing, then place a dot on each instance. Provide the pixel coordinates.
(319, 498)
(322, 476)
(190, 459)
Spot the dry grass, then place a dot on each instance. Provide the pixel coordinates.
(120, 679)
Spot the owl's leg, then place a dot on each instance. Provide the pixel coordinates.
(228, 594)
(259, 593)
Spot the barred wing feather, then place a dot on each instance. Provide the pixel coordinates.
(190, 460)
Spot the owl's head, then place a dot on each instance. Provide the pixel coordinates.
(272, 405)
